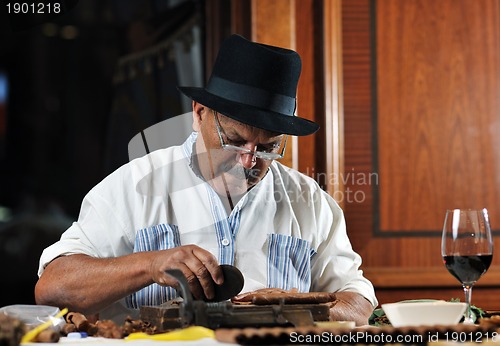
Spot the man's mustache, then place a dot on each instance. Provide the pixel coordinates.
(240, 171)
(251, 173)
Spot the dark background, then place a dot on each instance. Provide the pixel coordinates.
(68, 113)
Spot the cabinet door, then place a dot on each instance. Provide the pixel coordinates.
(422, 118)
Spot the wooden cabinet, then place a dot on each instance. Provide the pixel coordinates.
(422, 117)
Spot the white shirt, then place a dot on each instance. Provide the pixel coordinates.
(286, 232)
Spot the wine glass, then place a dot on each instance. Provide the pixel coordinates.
(467, 249)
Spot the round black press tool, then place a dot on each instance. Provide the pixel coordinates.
(233, 284)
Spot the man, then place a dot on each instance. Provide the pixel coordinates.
(220, 198)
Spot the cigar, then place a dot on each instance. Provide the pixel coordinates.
(248, 296)
(79, 320)
(47, 335)
(294, 298)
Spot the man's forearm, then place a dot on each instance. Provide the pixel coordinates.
(86, 284)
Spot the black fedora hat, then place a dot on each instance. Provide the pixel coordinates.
(255, 84)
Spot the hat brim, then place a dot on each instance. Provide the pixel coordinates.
(253, 116)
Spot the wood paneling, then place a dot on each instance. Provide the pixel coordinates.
(217, 25)
(240, 20)
(391, 277)
(438, 83)
(334, 108)
(421, 105)
(306, 91)
(358, 123)
(310, 97)
(273, 22)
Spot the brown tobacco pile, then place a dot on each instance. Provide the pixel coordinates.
(493, 320)
(11, 330)
(77, 322)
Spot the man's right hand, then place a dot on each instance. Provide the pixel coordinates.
(199, 266)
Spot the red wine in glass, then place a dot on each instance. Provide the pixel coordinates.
(467, 269)
(467, 248)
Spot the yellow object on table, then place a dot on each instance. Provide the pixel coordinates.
(186, 334)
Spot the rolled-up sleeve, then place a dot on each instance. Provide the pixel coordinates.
(99, 232)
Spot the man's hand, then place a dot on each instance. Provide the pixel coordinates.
(351, 306)
(199, 266)
(344, 306)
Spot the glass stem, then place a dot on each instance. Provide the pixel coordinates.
(468, 312)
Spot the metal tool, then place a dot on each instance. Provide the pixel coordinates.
(226, 315)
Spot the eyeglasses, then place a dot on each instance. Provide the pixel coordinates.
(264, 155)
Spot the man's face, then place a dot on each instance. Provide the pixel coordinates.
(231, 173)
